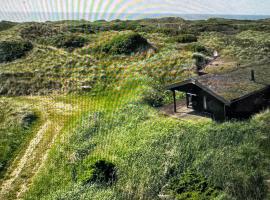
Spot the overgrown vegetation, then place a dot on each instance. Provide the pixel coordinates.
(5, 25)
(186, 38)
(101, 172)
(190, 186)
(35, 31)
(125, 44)
(16, 121)
(66, 41)
(12, 50)
(146, 150)
(118, 146)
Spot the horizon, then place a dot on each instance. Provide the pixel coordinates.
(99, 9)
(15, 16)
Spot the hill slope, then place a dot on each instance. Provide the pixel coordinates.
(93, 86)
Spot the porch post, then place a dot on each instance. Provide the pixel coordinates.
(174, 101)
(187, 100)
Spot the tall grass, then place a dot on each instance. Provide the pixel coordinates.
(149, 150)
(16, 127)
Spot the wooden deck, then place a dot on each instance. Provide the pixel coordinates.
(183, 112)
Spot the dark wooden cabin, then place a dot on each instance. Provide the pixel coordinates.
(235, 95)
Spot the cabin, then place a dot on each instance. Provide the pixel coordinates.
(235, 95)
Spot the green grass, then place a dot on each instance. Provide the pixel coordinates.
(112, 123)
(17, 122)
(148, 150)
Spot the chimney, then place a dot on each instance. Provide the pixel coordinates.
(252, 75)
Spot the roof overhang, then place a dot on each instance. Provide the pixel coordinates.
(176, 86)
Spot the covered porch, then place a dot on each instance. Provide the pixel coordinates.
(183, 111)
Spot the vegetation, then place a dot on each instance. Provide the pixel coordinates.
(191, 186)
(200, 60)
(146, 150)
(95, 86)
(102, 172)
(11, 50)
(4, 25)
(186, 38)
(125, 44)
(196, 47)
(16, 122)
(66, 41)
(35, 31)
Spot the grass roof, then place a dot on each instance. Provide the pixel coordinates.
(237, 84)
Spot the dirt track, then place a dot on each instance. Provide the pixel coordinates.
(23, 169)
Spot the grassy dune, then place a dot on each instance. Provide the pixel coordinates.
(89, 92)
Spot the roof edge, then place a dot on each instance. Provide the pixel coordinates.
(195, 82)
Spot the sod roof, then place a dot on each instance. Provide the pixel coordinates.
(234, 85)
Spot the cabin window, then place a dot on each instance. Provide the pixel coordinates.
(204, 103)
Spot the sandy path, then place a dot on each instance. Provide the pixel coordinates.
(7, 184)
(22, 171)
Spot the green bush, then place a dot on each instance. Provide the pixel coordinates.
(125, 44)
(68, 41)
(153, 97)
(186, 38)
(4, 25)
(102, 172)
(196, 47)
(191, 186)
(12, 50)
(200, 60)
(35, 31)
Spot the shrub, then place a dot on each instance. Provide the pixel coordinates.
(68, 41)
(102, 172)
(196, 47)
(28, 119)
(191, 186)
(11, 50)
(200, 60)
(153, 97)
(186, 38)
(4, 25)
(35, 31)
(125, 44)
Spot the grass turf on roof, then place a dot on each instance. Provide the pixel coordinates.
(236, 84)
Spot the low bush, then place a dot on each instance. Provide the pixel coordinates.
(186, 38)
(125, 44)
(35, 31)
(4, 25)
(68, 41)
(196, 47)
(200, 60)
(154, 97)
(191, 186)
(11, 50)
(101, 172)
